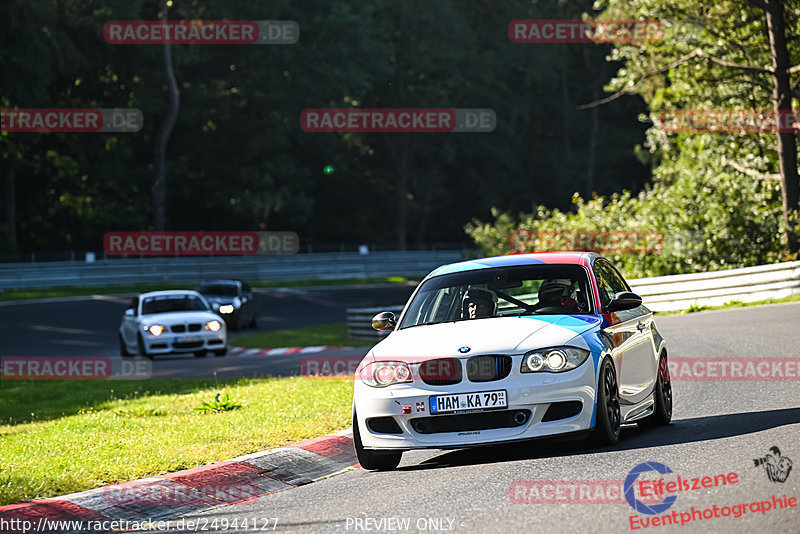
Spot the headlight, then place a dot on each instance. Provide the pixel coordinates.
(155, 329)
(226, 308)
(554, 360)
(381, 374)
(214, 326)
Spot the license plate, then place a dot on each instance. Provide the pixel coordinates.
(484, 400)
(187, 339)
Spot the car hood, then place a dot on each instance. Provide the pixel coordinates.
(171, 318)
(497, 335)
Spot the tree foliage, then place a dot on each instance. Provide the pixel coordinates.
(237, 158)
(709, 194)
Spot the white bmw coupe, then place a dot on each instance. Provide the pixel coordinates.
(511, 348)
(166, 322)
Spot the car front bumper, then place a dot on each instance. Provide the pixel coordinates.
(170, 343)
(533, 394)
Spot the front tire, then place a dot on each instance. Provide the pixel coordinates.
(662, 414)
(200, 354)
(123, 349)
(142, 350)
(221, 352)
(608, 413)
(374, 460)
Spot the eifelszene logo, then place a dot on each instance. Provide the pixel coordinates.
(630, 496)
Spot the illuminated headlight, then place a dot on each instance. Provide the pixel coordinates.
(535, 362)
(382, 374)
(214, 326)
(553, 360)
(227, 308)
(155, 329)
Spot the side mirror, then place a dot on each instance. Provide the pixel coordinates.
(624, 300)
(384, 321)
(130, 312)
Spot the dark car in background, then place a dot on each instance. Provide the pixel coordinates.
(233, 300)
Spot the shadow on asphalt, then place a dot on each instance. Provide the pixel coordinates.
(681, 431)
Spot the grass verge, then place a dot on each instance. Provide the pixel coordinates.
(325, 334)
(60, 437)
(68, 291)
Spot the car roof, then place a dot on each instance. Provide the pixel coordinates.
(509, 260)
(227, 281)
(169, 292)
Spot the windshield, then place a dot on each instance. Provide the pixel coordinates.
(502, 292)
(172, 303)
(219, 290)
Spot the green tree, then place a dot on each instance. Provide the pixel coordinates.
(730, 55)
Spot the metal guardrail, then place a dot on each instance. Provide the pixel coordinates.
(664, 293)
(183, 270)
(680, 291)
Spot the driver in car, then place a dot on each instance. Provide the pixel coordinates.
(553, 293)
(477, 304)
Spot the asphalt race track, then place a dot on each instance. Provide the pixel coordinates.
(719, 427)
(88, 326)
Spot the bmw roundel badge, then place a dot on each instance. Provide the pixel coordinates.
(464, 350)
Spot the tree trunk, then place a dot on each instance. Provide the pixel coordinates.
(10, 203)
(401, 149)
(595, 128)
(160, 187)
(566, 167)
(782, 98)
(427, 200)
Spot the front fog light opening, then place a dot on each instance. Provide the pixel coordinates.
(556, 360)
